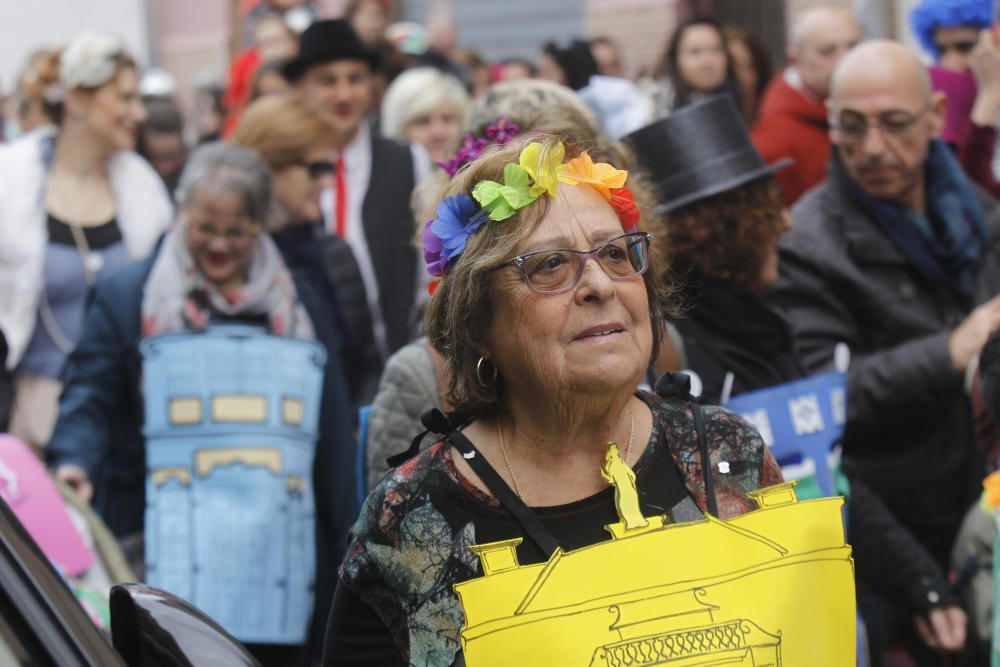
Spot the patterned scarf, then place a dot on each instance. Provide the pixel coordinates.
(177, 296)
(947, 245)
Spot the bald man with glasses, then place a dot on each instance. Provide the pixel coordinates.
(897, 255)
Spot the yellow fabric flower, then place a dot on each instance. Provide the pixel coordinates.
(544, 167)
(992, 486)
(601, 176)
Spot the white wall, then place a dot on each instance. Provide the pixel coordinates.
(29, 25)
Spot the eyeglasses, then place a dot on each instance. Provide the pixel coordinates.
(964, 47)
(557, 271)
(852, 127)
(235, 234)
(318, 168)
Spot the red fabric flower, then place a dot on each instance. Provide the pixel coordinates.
(624, 204)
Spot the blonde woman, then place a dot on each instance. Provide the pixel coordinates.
(75, 203)
(295, 139)
(428, 107)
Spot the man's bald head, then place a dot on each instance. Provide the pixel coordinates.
(881, 65)
(818, 40)
(812, 23)
(885, 115)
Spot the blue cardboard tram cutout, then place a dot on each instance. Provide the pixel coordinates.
(800, 422)
(231, 425)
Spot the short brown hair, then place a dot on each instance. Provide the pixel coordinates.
(281, 129)
(725, 237)
(460, 312)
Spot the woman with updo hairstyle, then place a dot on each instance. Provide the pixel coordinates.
(75, 203)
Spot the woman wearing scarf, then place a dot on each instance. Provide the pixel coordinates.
(216, 266)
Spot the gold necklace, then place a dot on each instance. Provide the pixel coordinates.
(510, 468)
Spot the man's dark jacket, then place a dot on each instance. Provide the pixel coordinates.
(909, 426)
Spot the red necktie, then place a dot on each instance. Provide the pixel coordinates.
(341, 185)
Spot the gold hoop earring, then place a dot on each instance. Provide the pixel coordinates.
(479, 373)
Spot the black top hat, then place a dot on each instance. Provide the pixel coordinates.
(326, 41)
(698, 151)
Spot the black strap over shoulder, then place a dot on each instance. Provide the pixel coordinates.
(449, 426)
(434, 421)
(678, 385)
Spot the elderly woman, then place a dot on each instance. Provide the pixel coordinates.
(413, 381)
(548, 312)
(296, 139)
(428, 107)
(76, 203)
(217, 265)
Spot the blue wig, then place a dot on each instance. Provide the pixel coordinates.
(932, 14)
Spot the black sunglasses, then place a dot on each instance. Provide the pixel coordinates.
(319, 168)
(964, 47)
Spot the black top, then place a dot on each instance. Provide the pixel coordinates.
(97, 237)
(725, 332)
(362, 638)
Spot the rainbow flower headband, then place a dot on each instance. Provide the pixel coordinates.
(538, 171)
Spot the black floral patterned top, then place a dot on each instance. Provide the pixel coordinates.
(411, 543)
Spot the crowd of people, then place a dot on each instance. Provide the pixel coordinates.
(745, 222)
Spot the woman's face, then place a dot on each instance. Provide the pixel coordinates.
(298, 186)
(112, 112)
(220, 238)
(437, 130)
(701, 58)
(593, 339)
(769, 271)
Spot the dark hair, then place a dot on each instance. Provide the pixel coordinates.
(683, 93)
(758, 54)
(163, 117)
(576, 61)
(725, 237)
(523, 62)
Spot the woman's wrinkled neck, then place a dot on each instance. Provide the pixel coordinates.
(561, 427)
(80, 153)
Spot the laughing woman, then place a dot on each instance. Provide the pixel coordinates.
(217, 265)
(548, 312)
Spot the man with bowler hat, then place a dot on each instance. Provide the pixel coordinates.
(897, 255)
(368, 203)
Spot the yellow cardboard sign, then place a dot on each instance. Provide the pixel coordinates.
(772, 587)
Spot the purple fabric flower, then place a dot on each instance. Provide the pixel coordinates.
(445, 236)
(470, 149)
(432, 252)
(502, 131)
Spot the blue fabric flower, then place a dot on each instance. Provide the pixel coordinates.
(457, 218)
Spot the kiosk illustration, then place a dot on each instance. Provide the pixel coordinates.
(771, 588)
(231, 426)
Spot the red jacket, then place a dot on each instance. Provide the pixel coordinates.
(792, 125)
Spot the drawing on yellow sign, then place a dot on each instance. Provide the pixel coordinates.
(770, 588)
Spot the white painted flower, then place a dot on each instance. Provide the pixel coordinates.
(89, 61)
